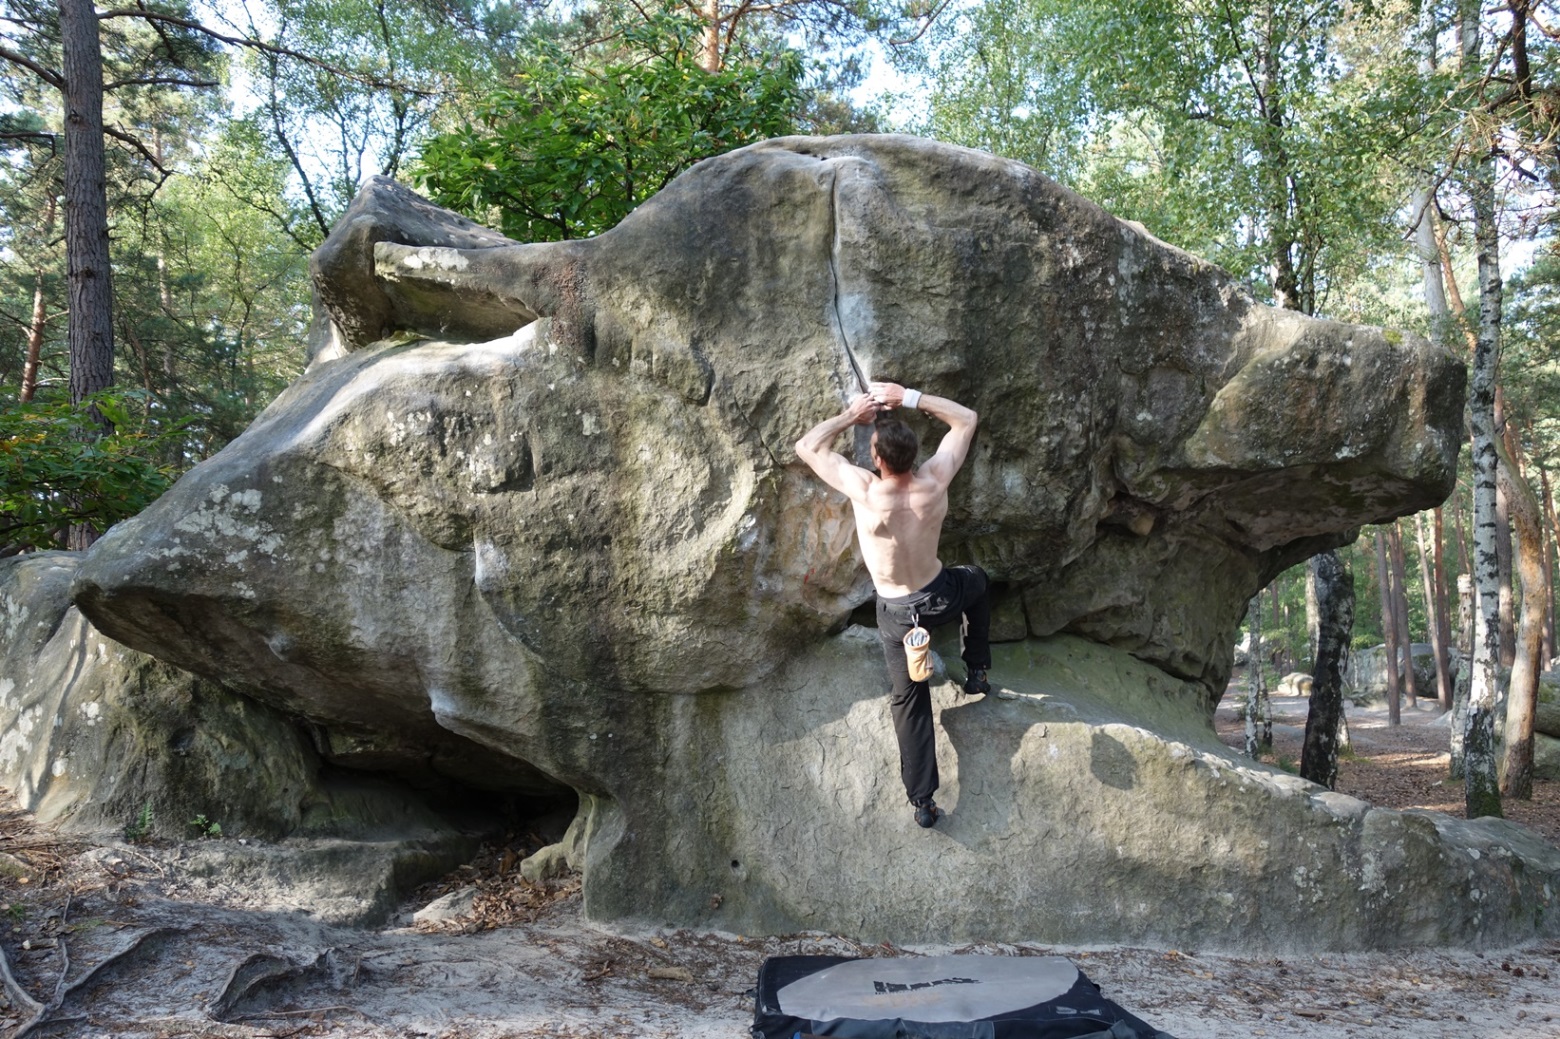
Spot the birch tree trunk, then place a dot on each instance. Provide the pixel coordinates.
(1480, 780)
(1324, 723)
(1312, 619)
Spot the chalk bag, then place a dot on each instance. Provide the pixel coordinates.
(918, 651)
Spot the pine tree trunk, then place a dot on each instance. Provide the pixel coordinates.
(1465, 559)
(1399, 565)
(1522, 700)
(1334, 585)
(1504, 560)
(1388, 633)
(1463, 684)
(91, 327)
(1443, 607)
(39, 322)
(709, 55)
(1434, 614)
(1551, 543)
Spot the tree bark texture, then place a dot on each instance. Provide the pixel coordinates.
(39, 322)
(1312, 621)
(1463, 684)
(1516, 773)
(1435, 612)
(1480, 780)
(1443, 603)
(1405, 659)
(1334, 584)
(1255, 685)
(1504, 560)
(91, 323)
(91, 334)
(1388, 633)
(1551, 541)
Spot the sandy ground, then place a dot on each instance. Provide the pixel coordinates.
(114, 940)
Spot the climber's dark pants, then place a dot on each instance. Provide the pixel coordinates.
(959, 592)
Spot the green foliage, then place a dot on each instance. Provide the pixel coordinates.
(1530, 360)
(379, 77)
(1259, 135)
(576, 141)
(140, 828)
(55, 470)
(205, 828)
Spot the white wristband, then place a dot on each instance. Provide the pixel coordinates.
(912, 399)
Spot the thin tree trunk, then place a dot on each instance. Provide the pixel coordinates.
(1388, 632)
(1433, 614)
(1443, 604)
(1280, 651)
(709, 56)
(35, 330)
(1312, 619)
(1465, 559)
(40, 315)
(1504, 558)
(1463, 684)
(1334, 585)
(91, 328)
(1522, 699)
(1256, 684)
(1551, 543)
(1399, 565)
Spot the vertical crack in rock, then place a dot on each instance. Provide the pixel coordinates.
(834, 273)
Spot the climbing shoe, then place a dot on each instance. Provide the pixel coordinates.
(925, 812)
(975, 683)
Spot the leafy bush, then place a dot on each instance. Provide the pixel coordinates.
(577, 140)
(57, 470)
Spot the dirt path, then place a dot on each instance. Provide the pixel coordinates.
(148, 951)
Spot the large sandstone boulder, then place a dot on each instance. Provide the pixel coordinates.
(533, 519)
(99, 738)
(1367, 673)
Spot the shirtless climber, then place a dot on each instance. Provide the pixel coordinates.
(899, 514)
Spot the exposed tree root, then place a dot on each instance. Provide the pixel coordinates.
(261, 971)
(43, 1016)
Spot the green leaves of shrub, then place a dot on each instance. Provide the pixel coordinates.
(576, 140)
(56, 470)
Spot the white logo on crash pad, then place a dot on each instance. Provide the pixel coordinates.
(929, 988)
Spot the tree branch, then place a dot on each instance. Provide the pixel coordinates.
(48, 75)
(161, 81)
(135, 142)
(259, 45)
(936, 12)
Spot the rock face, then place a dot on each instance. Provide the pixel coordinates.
(533, 520)
(1367, 673)
(96, 737)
